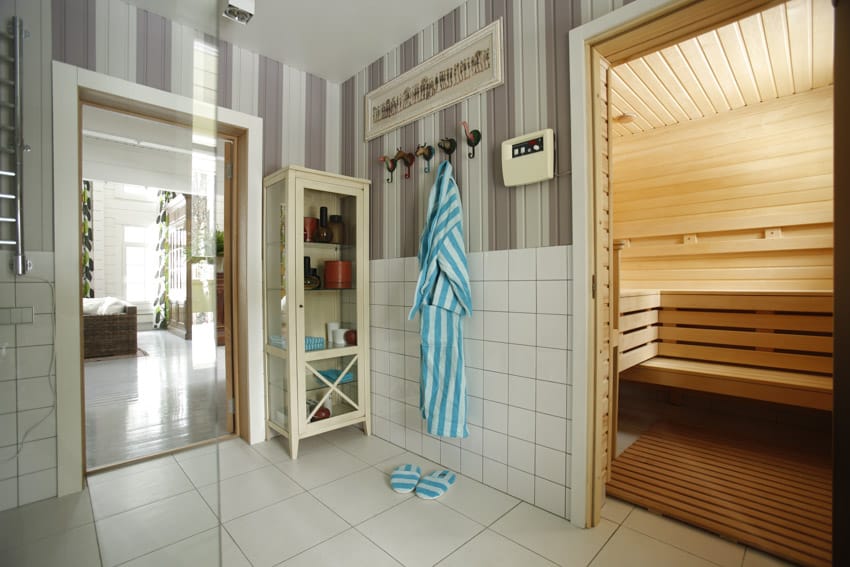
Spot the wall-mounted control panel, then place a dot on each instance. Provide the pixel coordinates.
(529, 158)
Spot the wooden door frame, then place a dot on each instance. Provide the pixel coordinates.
(636, 29)
(71, 86)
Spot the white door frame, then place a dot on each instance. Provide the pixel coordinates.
(583, 328)
(71, 85)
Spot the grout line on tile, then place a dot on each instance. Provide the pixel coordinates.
(511, 509)
(461, 546)
(221, 526)
(673, 545)
(163, 547)
(607, 541)
(193, 488)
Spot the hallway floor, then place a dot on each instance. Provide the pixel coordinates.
(141, 406)
(333, 506)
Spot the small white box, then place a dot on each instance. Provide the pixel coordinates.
(529, 158)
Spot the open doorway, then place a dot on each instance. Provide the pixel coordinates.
(157, 351)
(712, 161)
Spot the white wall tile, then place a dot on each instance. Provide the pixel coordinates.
(473, 353)
(522, 297)
(395, 340)
(37, 486)
(396, 294)
(522, 392)
(496, 265)
(380, 316)
(397, 413)
(521, 423)
(396, 388)
(409, 295)
(412, 418)
(522, 264)
(475, 410)
(496, 326)
(552, 331)
(395, 317)
(431, 448)
(380, 383)
(473, 326)
(475, 261)
(395, 270)
(522, 360)
(472, 465)
(495, 357)
(521, 454)
(412, 344)
(380, 271)
(476, 289)
(412, 368)
(37, 424)
(397, 434)
(381, 294)
(495, 296)
(8, 397)
(396, 365)
(411, 393)
(411, 269)
(552, 365)
(8, 493)
(37, 456)
(553, 263)
(40, 332)
(550, 496)
(381, 406)
(413, 441)
(474, 441)
(450, 456)
(496, 446)
(475, 382)
(34, 393)
(521, 485)
(496, 387)
(552, 297)
(8, 429)
(551, 464)
(551, 431)
(496, 474)
(523, 328)
(552, 398)
(495, 416)
(35, 295)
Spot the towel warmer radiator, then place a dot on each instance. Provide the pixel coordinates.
(13, 149)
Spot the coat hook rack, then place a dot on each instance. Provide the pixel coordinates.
(407, 158)
(448, 145)
(426, 152)
(390, 164)
(473, 138)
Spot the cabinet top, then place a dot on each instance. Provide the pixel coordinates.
(296, 169)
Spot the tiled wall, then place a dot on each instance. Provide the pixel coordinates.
(27, 382)
(517, 349)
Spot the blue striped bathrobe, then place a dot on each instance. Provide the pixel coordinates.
(442, 299)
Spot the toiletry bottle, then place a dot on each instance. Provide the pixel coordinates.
(323, 233)
(337, 229)
(311, 279)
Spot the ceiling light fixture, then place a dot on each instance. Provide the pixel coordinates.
(239, 11)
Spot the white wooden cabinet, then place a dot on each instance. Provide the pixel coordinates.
(303, 377)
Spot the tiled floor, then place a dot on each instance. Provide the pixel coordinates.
(333, 506)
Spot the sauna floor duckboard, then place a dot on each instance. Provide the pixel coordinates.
(753, 491)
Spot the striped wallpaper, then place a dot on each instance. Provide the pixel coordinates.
(535, 95)
(301, 112)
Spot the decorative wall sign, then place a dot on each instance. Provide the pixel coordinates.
(472, 65)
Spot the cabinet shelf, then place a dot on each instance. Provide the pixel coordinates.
(290, 195)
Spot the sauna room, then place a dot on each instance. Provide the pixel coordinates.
(722, 208)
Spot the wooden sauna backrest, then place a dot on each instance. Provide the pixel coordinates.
(783, 331)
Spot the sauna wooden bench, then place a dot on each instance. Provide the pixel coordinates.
(771, 346)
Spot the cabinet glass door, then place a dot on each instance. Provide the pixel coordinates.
(277, 305)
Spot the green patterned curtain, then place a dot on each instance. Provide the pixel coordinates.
(88, 239)
(160, 306)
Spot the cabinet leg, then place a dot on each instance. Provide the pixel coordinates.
(293, 446)
(367, 426)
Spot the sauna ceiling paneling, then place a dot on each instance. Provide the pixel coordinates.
(784, 50)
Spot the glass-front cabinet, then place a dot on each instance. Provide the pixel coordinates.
(316, 265)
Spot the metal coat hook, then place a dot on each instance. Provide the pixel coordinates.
(407, 158)
(473, 138)
(390, 164)
(448, 145)
(427, 152)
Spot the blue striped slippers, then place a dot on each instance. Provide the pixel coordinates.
(435, 484)
(405, 478)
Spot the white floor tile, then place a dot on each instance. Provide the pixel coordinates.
(553, 537)
(477, 501)
(755, 558)
(274, 534)
(249, 492)
(616, 510)
(321, 467)
(634, 549)
(41, 519)
(143, 466)
(201, 469)
(233, 459)
(420, 533)
(201, 549)
(366, 448)
(685, 537)
(129, 491)
(142, 530)
(360, 496)
(392, 463)
(74, 548)
(276, 449)
(491, 549)
(351, 545)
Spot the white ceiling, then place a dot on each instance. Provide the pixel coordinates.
(333, 39)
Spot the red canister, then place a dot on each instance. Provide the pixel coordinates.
(337, 274)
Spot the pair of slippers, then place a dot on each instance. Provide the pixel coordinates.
(408, 478)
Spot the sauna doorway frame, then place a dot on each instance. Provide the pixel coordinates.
(632, 31)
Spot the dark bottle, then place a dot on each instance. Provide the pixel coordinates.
(311, 277)
(323, 233)
(337, 229)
